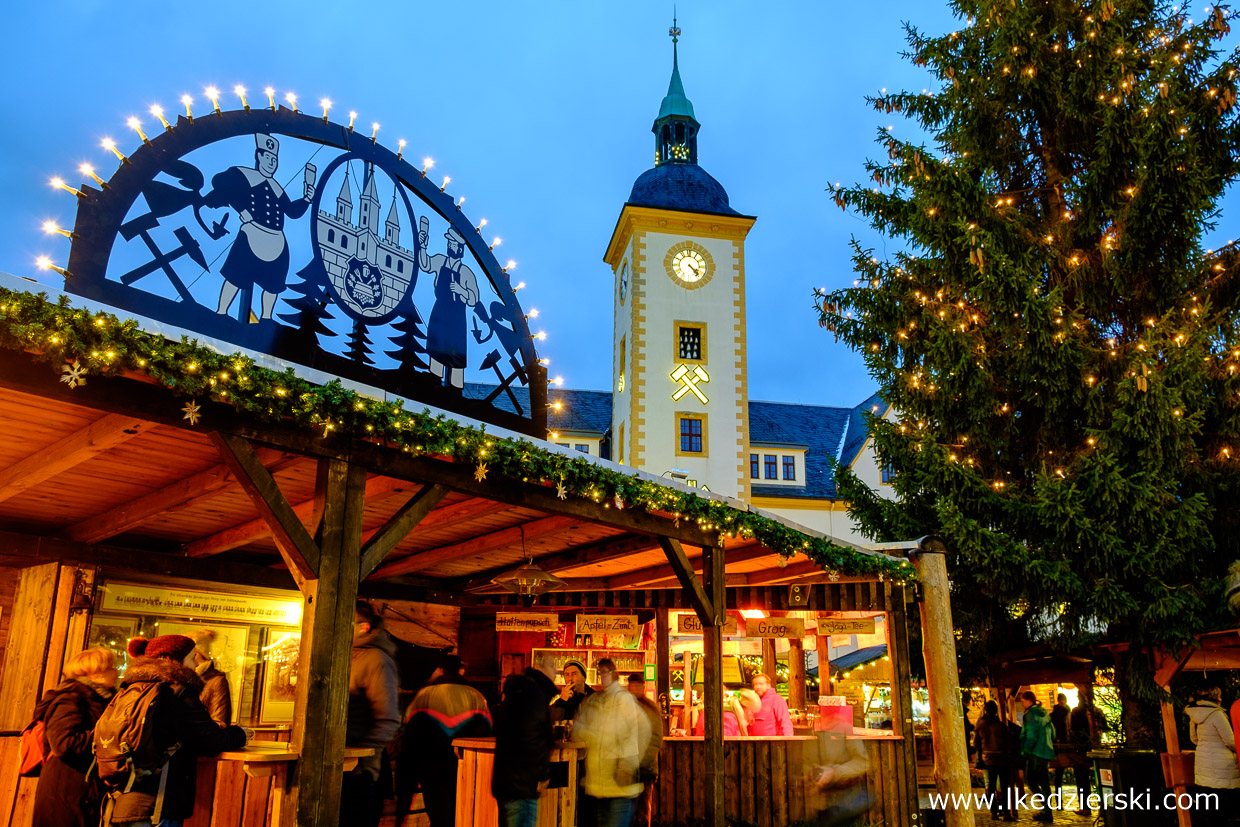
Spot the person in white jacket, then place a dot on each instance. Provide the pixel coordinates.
(615, 731)
(1215, 765)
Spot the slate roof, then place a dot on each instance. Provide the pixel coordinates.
(679, 186)
(824, 432)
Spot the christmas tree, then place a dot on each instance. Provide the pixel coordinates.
(359, 345)
(410, 344)
(311, 303)
(1058, 346)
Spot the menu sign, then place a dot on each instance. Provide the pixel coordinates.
(526, 622)
(776, 627)
(173, 602)
(608, 625)
(845, 625)
(690, 625)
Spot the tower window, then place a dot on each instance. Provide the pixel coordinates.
(753, 466)
(389, 262)
(620, 380)
(790, 468)
(690, 435)
(400, 265)
(344, 241)
(690, 344)
(331, 236)
(770, 466)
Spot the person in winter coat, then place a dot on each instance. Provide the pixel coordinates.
(216, 694)
(1215, 765)
(445, 709)
(185, 721)
(615, 731)
(64, 798)
(372, 717)
(574, 691)
(1037, 747)
(523, 744)
(990, 742)
(648, 772)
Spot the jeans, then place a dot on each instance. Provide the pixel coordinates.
(1038, 777)
(518, 812)
(358, 807)
(997, 785)
(614, 812)
(163, 822)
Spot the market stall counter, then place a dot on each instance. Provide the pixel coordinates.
(476, 807)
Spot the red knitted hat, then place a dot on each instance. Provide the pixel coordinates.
(173, 647)
(136, 646)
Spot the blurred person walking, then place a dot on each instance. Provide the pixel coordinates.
(523, 744)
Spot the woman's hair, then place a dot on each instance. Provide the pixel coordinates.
(1208, 692)
(750, 700)
(734, 706)
(991, 708)
(90, 662)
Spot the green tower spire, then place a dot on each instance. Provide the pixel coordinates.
(675, 128)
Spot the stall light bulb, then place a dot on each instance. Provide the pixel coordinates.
(481, 224)
(187, 100)
(110, 145)
(239, 91)
(533, 314)
(495, 242)
(270, 92)
(352, 118)
(444, 185)
(520, 285)
(87, 169)
(544, 362)
(136, 126)
(541, 335)
(50, 227)
(291, 100)
(45, 263)
(511, 265)
(400, 148)
(158, 111)
(427, 163)
(326, 104)
(213, 95)
(374, 132)
(460, 201)
(558, 381)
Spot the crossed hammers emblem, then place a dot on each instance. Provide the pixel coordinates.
(689, 380)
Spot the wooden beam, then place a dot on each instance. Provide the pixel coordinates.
(712, 649)
(297, 547)
(654, 574)
(398, 527)
(183, 493)
(238, 535)
(74, 449)
(796, 571)
(688, 580)
(596, 551)
(422, 560)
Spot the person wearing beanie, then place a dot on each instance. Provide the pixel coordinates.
(185, 721)
(574, 691)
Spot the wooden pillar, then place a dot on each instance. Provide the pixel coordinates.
(663, 662)
(1172, 735)
(951, 757)
(902, 698)
(796, 673)
(712, 637)
(823, 645)
(769, 665)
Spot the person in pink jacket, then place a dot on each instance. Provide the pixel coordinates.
(773, 717)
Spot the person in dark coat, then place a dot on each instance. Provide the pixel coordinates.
(445, 709)
(372, 718)
(216, 694)
(990, 741)
(1059, 720)
(574, 691)
(1080, 731)
(523, 744)
(185, 721)
(64, 797)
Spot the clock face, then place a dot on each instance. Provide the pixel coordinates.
(689, 265)
(624, 280)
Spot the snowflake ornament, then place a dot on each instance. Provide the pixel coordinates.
(74, 375)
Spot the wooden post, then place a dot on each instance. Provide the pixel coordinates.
(712, 638)
(902, 698)
(951, 757)
(796, 673)
(327, 638)
(769, 665)
(823, 645)
(663, 662)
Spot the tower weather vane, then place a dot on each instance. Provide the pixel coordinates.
(674, 31)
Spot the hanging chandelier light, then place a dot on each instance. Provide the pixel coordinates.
(528, 582)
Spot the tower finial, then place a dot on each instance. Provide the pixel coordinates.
(674, 31)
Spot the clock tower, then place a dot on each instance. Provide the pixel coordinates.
(680, 401)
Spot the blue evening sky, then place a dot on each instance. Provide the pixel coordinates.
(539, 112)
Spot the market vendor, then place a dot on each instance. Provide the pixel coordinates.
(773, 718)
(574, 691)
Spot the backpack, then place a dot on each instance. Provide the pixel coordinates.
(33, 750)
(125, 737)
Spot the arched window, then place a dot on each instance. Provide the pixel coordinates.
(400, 265)
(344, 241)
(388, 263)
(331, 236)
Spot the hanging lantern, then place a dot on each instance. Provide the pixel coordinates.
(529, 582)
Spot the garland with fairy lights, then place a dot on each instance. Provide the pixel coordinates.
(81, 344)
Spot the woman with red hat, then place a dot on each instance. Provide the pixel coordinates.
(186, 721)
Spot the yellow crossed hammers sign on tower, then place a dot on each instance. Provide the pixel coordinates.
(688, 380)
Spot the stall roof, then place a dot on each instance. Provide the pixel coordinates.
(124, 461)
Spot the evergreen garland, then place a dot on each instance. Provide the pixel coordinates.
(59, 334)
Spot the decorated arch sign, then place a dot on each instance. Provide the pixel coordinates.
(290, 235)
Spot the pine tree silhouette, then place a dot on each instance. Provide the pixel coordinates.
(311, 306)
(359, 345)
(410, 343)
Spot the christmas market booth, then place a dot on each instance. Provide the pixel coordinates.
(177, 457)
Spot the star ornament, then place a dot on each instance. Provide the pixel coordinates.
(480, 473)
(561, 491)
(74, 375)
(192, 411)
